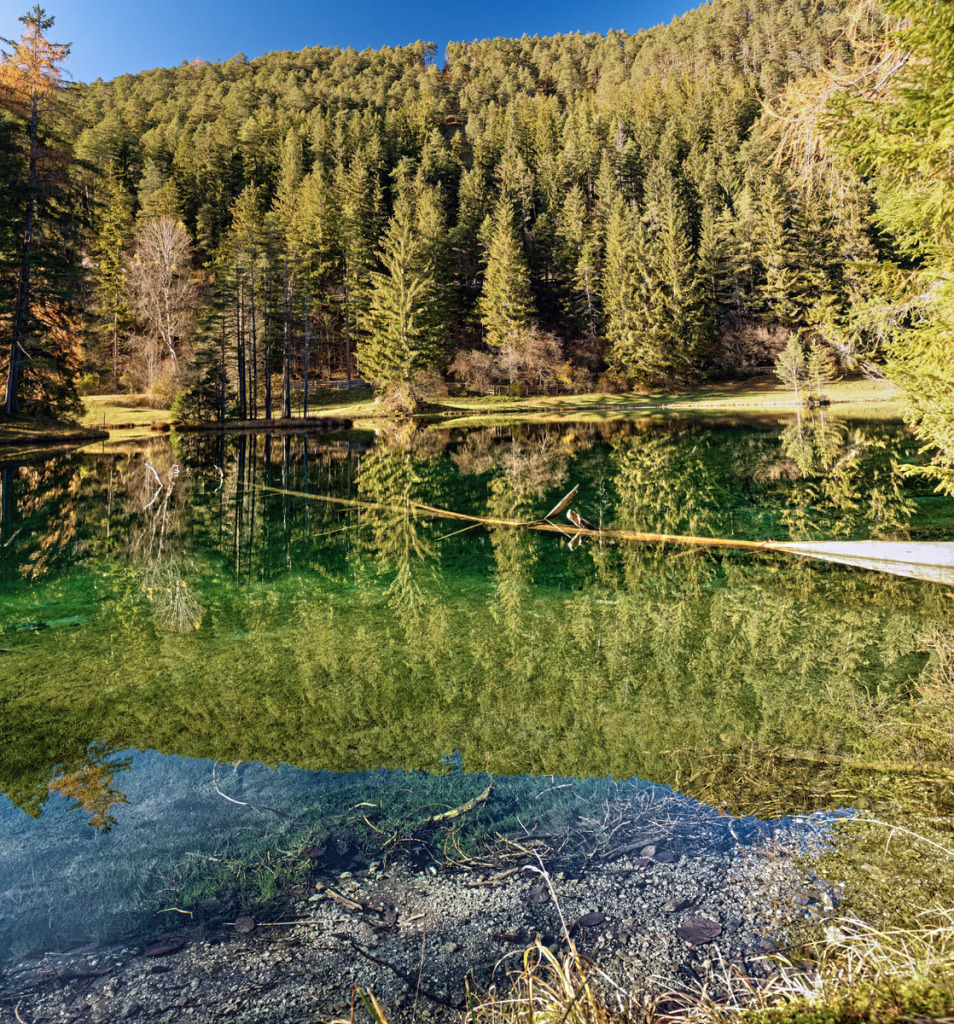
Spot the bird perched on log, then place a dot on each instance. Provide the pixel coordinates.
(577, 520)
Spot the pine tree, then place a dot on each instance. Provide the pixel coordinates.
(619, 264)
(247, 245)
(790, 365)
(474, 205)
(206, 391)
(157, 194)
(774, 239)
(505, 304)
(819, 370)
(317, 239)
(741, 296)
(660, 320)
(315, 229)
(431, 227)
(359, 201)
(686, 317)
(288, 261)
(578, 264)
(289, 179)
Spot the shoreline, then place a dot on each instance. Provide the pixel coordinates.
(28, 433)
(854, 398)
(660, 908)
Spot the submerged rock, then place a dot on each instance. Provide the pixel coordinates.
(164, 947)
(698, 930)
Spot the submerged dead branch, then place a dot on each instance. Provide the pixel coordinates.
(458, 811)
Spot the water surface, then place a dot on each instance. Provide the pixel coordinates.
(205, 663)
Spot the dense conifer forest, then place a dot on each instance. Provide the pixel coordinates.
(575, 211)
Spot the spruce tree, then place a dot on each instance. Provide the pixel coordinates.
(247, 245)
(474, 205)
(505, 304)
(157, 194)
(660, 319)
(774, 242)
(408, 330)
(289, 179)
(619, 266)
(431, 227)
(112, 240)
(790, 365)
(578, 264)
(820, 370)
(359, 202)
(317, 239)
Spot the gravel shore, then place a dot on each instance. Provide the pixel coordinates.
(659, 902)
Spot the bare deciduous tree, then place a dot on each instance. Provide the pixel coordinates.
(163, 295)
(531, 355)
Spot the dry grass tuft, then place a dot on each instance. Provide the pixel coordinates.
(853, 974)
(549, 989)
(859, 973)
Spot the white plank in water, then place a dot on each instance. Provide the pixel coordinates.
(922, 560)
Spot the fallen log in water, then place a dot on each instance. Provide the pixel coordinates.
(923, 560)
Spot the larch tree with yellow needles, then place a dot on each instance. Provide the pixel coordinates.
(30, 90)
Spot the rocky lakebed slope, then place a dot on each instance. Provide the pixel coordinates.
(662, 903)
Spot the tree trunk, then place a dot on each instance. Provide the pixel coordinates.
(267, 359)
(115, 353)
(240, 346)
(286, 352)
(222, 402)
(22, 312)
(305, 396)
(348, 336)
(254, 371)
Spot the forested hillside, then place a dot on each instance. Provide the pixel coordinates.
(515, 211)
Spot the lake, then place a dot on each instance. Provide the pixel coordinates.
(232, 665)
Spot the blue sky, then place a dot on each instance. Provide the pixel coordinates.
(112, 37)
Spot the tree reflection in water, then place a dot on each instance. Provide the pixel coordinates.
(343, 637)
(89, 783)
(164, 566)
(846, 484)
